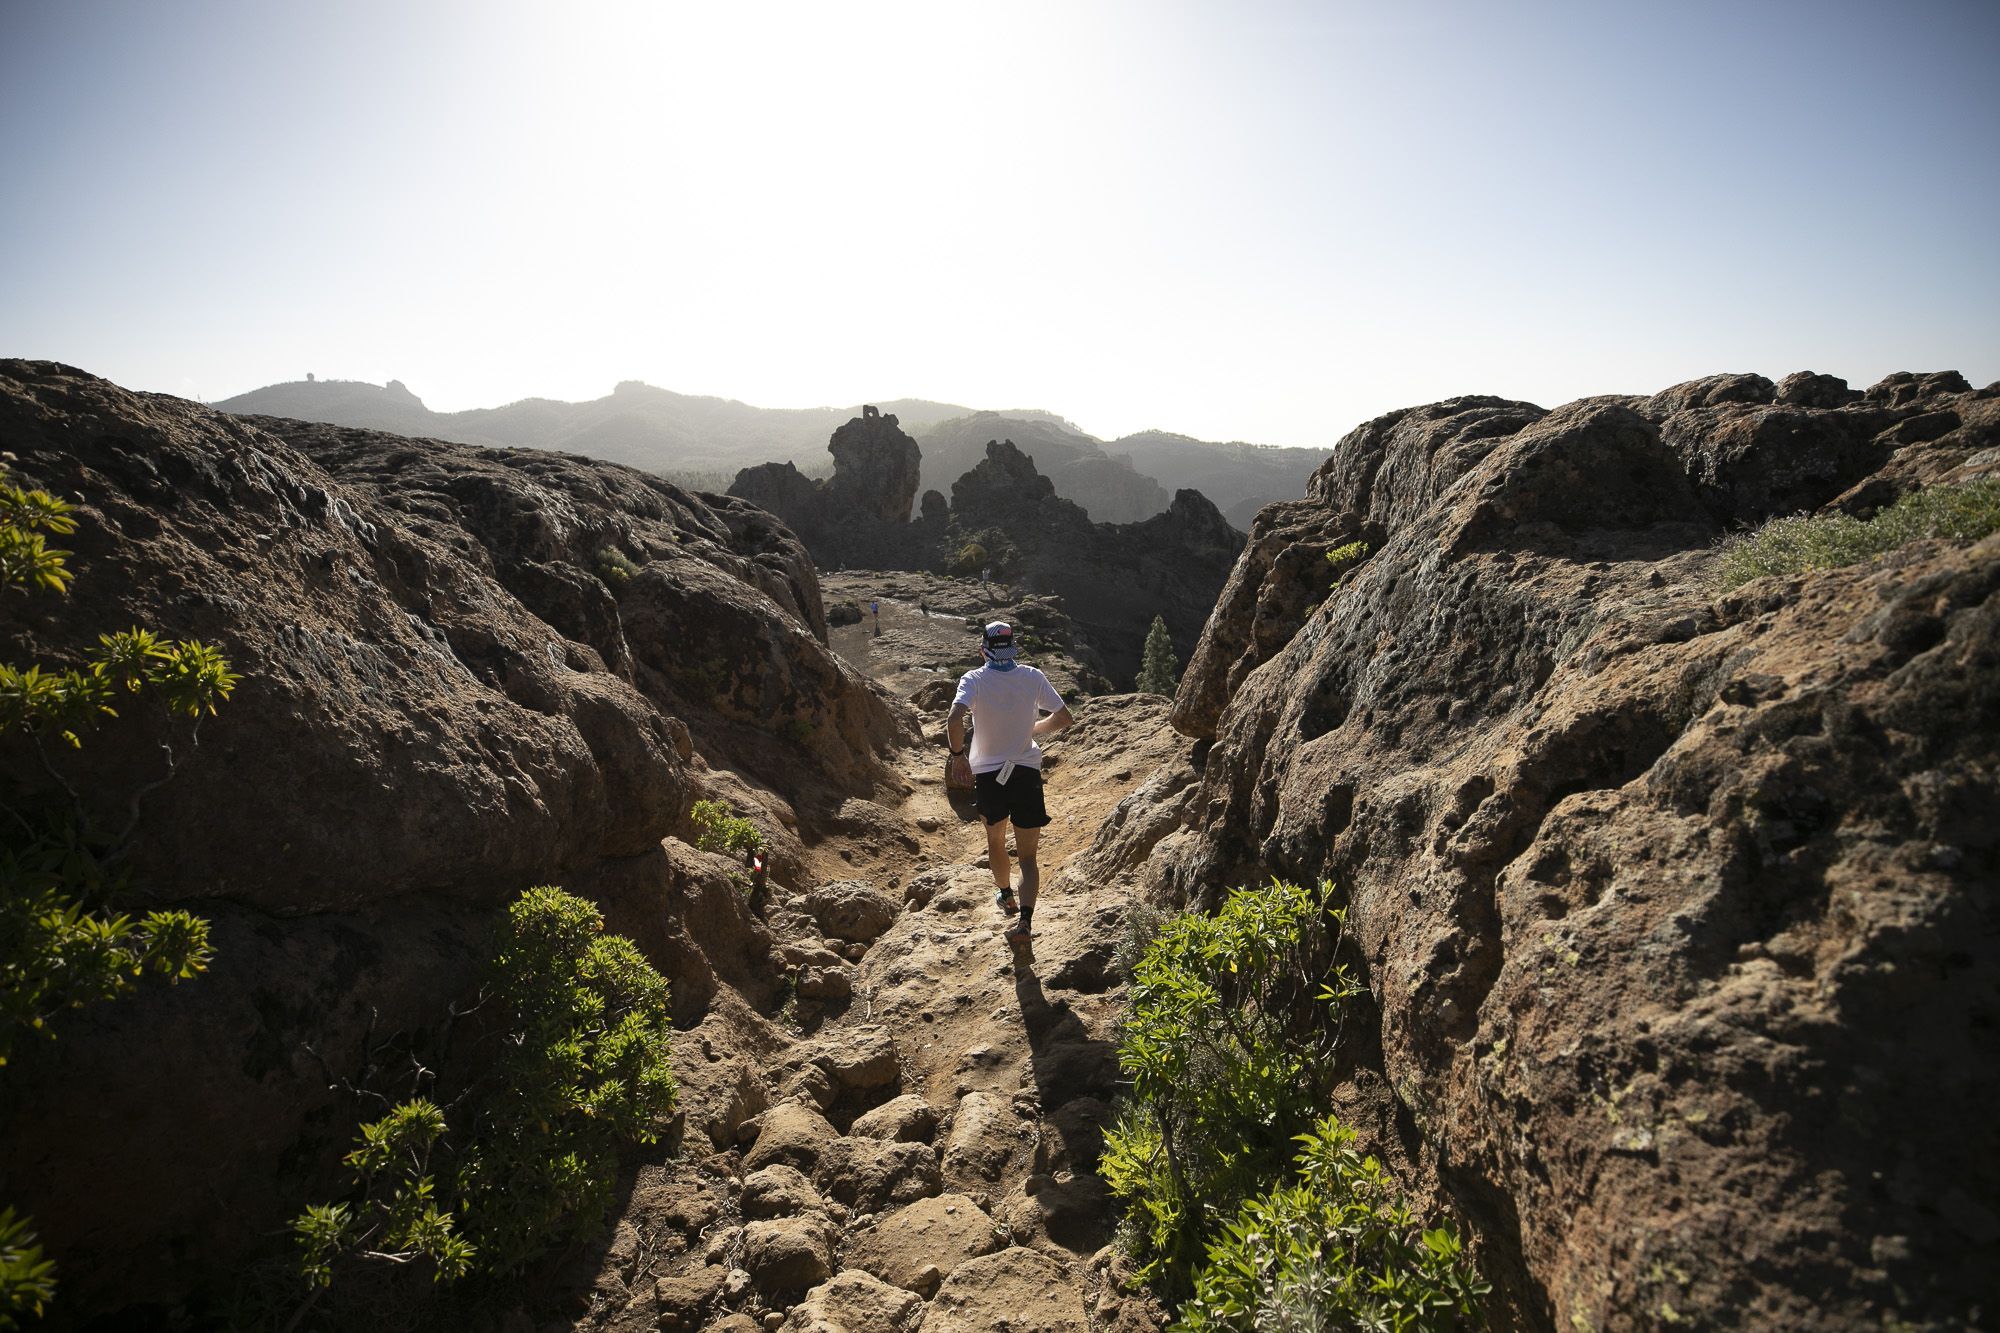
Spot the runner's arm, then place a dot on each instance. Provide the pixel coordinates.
(954, 726)
(1054, 722)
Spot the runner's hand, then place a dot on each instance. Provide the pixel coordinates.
(961, 770)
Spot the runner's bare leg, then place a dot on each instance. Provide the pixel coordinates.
(1026, 840)
(996, 856)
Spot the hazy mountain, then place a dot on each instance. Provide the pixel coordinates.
(1240, 478)
(661, 431)
(654, 429)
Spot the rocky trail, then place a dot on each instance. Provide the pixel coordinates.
(1664, 893)
(908, 1141)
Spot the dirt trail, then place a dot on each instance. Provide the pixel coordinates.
(917, 1153)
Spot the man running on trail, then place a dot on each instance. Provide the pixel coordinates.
(1005, 699)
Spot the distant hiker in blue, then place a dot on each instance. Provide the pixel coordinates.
(1005, 699)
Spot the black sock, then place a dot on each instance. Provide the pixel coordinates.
(1027, 917)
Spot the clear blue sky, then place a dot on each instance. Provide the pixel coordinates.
(1263, 221)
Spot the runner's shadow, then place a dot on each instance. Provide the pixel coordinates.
(1067, 1061)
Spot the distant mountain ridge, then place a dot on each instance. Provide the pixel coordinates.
(660, 431)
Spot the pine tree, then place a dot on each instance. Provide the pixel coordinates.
(1159, 673)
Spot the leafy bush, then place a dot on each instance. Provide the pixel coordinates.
(1228, 1060)
(614, 566)
(586, 1073)
(57, 950)
(1338, 1248)
(1347, 556)
(1800, 544)
(970, 562)
(27, 1280)
(719, 829)
(61, 944)
(396, 1217)
(583, 1073)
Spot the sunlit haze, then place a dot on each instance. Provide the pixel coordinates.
(1260, 221)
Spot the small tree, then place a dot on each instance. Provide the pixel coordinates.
(1160, 672)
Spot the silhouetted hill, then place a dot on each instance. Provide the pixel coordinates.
(637, 424)
(1240, 478)
(660, 431)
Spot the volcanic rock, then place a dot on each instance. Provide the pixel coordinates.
(854, 1300)
(788, 1254)
(449, 693)
(919, 1246)
(1666, 899)
(870, 1174)
(1016, 1288)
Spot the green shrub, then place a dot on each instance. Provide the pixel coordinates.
(396, 1216)
(1347, 556)
(584, 1072)
(27, 1280)
(62, 944)
(717, 828)
(614, 566)
(59, 948)
(1337, 1248)
(1228, 1059)
(970, 562)
(1800, 544)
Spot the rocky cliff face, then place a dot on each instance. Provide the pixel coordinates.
(1675, 908)
(463, 673)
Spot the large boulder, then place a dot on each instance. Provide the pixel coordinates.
(1017, 1289)
(1638, 872)
(907, 1119)
(852, 1302)
(919, 1246)
(849, 909)
(786, 1255)
(442, 703)
(789, 1134)
(868, 1175)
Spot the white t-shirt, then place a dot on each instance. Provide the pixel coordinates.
(1005, 706)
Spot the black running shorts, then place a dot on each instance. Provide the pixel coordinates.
(1018, 799)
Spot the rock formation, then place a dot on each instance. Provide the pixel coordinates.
(1674, 907)
(1108, 487)
(1114, 578)
(464, 673)
(875, 468)
(860, 516)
